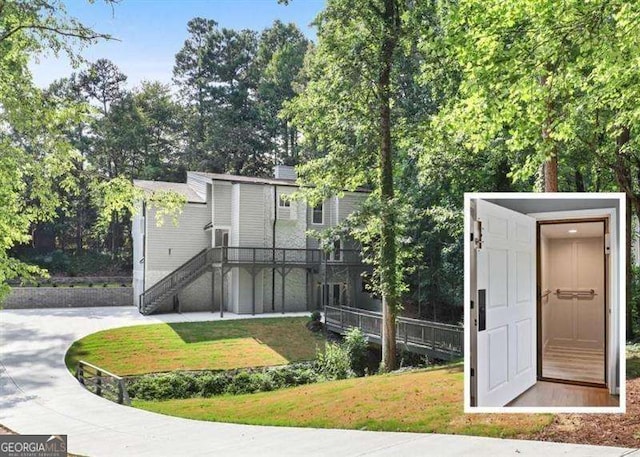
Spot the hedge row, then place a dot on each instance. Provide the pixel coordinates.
(207, 384)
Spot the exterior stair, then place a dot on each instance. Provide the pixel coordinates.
(152, 298)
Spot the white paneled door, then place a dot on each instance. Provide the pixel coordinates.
(506, 282)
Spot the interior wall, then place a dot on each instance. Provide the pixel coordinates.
(575, 264)
(544, 287)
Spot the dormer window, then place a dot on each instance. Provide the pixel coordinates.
(317, 217)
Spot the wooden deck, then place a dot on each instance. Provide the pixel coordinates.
(433, 339)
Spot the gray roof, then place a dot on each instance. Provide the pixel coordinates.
(255, 180)
(245, 179)
(183, 189)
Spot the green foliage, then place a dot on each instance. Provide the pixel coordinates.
(74, 264)
(316, 316)
(163, 386)
(36, 157)
(187, 384)
(211, 384)
(355, 344)
(334, 362)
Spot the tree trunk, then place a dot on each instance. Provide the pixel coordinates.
(579, 181)
(388, 232)
(625, 183)
(551, 174)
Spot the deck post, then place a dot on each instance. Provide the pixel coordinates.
(310, 304)
(253, 287)
(99, 383)
(80, 373)
(222, 290)
(120, 391)
(325, 288)
(284, 274)
(213, 289)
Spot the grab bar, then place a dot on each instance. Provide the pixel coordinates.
(576, 293)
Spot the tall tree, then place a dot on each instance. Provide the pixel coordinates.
(103, 84)
(280, 59)
(552, 85)
(35, 152)
(345, 113)
(215, 72)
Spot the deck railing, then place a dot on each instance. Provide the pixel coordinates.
(440, 338)
(285, 256)
(152, 297)
(102, 383)
(155, 295)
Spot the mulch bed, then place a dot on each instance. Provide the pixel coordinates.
(622, 430)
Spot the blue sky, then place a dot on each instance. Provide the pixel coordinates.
(151, 32)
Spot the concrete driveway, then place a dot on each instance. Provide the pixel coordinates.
(39, 396)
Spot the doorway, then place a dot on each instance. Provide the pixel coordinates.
(543, 281)
(572, 318)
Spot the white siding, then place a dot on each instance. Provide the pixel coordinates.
(349, 203)
(198, 183)
(137, 235)
(221, 208)
(169, 246)
(251, 224)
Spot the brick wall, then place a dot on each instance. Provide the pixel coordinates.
(67, 297)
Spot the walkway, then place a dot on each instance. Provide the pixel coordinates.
(39, 396)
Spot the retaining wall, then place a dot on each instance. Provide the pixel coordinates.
(67, 297)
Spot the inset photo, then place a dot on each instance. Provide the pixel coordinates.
(544, 294)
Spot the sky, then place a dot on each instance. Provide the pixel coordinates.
(151, 32)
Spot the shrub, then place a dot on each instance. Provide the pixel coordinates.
(293, 375)
(355, 343)
(163, 386)
(316, 316)
(188, 385)
(212, 384)
(243, 383)
(333, 363)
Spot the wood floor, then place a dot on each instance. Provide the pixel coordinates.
(573, 364)
(544, 393)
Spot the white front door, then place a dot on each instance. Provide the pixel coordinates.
(506, 324)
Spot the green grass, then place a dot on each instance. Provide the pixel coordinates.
(217, 345)
(633, 360)
(423, 401)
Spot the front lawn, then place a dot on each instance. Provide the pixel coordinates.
(215, 345)
(423, 401)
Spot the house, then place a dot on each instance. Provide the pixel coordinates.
(241, 246)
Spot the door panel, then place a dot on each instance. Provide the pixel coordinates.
(506, 350)
(576, 264)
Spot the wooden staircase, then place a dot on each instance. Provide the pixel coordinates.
(152, 298)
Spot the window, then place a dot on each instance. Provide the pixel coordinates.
(221, 237)
(318, 214)
(336, 254)
(336, 295)
(283, 203)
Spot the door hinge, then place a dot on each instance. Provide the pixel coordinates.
(473, 372)
(471, 304)
(477, 234)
